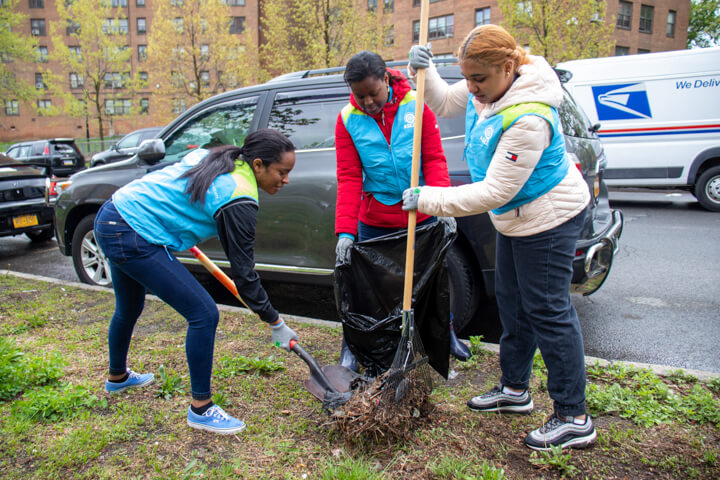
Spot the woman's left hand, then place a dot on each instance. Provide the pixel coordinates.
(410, 198)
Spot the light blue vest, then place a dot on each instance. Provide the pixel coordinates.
(481, 140)
(157, 207)
(386, 168)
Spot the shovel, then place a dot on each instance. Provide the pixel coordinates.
(331, 384)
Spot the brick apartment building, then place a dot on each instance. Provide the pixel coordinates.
(641, 26)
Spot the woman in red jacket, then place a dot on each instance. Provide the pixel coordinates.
(373, 141)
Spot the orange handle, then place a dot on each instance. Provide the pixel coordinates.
(217, 273)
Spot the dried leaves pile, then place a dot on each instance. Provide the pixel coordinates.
(384, 411)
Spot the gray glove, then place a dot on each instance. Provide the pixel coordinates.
(449, 222)
(410, 198)
(282, 334)
(342, 249)
(420, 56)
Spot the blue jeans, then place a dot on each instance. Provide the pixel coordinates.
(532, 286)
(138, 266)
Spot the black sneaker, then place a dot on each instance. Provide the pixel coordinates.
(497, 401)
(562, 432)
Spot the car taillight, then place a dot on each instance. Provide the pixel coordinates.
(47, 150)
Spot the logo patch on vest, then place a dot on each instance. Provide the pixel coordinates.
(409, 120)
(511, 156)
(487, 135)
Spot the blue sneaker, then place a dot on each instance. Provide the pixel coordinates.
(215, 420)
(134, 380)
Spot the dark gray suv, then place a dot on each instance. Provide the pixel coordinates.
(295, 239)
(60, 156)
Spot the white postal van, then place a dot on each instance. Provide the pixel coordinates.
(658, 116)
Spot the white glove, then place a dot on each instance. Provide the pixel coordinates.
(282, 334)
(420, 56)
(342, 249)
(410, 198)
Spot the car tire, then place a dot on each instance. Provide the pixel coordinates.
(43, 235)
(464, 290)
(707, 189)
(90, 263)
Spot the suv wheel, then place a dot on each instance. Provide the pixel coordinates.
(90, 263)
(707, 189)
(41, 235)
(464, 296)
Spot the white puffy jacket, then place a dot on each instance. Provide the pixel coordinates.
(528, 137)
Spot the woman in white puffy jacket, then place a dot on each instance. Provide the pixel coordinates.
(536, 198)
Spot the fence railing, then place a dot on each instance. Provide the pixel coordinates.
(95, 145)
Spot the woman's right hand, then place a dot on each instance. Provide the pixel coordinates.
(420, 56)
(342, 248)
(282, 334)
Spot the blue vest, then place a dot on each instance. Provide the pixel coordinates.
(386, 168)
(157, 207)
(481, 139)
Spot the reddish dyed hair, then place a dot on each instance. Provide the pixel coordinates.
(491, 45)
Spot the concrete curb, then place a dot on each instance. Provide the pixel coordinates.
(662, 370)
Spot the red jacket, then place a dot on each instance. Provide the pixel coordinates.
(352, 203)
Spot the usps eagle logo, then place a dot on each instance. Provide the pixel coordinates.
(621, 102)
(487, 135)
(409, 120)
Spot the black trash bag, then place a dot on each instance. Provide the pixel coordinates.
(369, 296)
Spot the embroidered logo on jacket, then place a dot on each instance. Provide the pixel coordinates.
(487, 135)
(511, 156)
(409, 120)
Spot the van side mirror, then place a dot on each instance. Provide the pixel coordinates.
(151, 151)
(595, 128)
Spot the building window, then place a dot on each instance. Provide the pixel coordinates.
(416, 3)
(204, 78)
(43, 105)
(123, 26)
(482, 16)
(234, 3)
(620, 50)
(115, 26)
(643, 50)
(142, 53)
(646, 18)
(141, 25)
(389, 6)
(42, 54)
(670, 30)
(139, 3)
(72, 28)
(76, 80)
(144, 106)
(179, 24)
(237, 24)
(12, 108)
(118, 106)
(76, 52)
(372, 5)
(438, 27)
(119, 3)
(113, 80)
(39, 83)
(178, 105)
(390, 37)
(204, 52)
(37, 27)
(37, 3)
(624, 16)
(143, 76)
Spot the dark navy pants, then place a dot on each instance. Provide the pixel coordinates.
(532, 285)
(138, 266)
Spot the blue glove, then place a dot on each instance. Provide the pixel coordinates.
(342, 249)
(282, 334)
(410, 198)
(420, 56)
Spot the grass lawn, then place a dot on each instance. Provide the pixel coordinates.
(57, 422)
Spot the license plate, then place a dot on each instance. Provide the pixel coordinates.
(25, 221)
(67, 162)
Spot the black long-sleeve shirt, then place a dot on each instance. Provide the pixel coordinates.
(236, 223)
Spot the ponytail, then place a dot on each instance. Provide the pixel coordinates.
(266, 144)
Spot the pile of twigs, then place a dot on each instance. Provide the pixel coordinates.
(384, 413)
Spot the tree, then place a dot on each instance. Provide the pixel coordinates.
(560, 30)
(193, 55)
(306, 34)
(704, 28)
(95, 71)
(16, 52)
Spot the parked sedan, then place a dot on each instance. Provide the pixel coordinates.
(23, 206)
(295, 228)
(125, 148)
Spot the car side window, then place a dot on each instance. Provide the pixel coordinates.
(38, 148)
(129, 141)
(225, 124)
(454, 126)
(308, 118)
(14, 153)
(574, 121)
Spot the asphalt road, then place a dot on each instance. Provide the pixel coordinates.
(659, 305)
